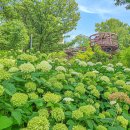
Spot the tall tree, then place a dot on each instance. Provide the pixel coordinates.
(123, 2)
(47, 20)
(118, 27)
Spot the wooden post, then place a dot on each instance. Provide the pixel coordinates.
(31, 41)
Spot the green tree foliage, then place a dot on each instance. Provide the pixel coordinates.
(123, 2)
(13, 35)
(47, 20)
(118, 27)
(124, 56)
(80, 41)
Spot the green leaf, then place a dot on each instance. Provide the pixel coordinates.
(16, 114)
(90, 123)
(9, 88)
(5, 122)
(70, 122)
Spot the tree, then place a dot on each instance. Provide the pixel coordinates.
(13, 35)
(118, 27)
(123, 2)
(47, 20)
(80, 40)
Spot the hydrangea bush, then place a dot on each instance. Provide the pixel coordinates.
(40, 92)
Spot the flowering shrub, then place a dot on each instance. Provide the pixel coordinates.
(42, 92)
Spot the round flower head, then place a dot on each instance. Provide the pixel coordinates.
(60, 126)
(91, 74)
(88, 110)
(58, 114)
(38, 123)
(119, 64)
(80, 88)
(120, 82)
(101, 115)
(99, 63)
(44, 66)
(95, 92)
(107, 94)
(60, 68)
(68, 99)
(110, 69)
(43, 113)
(8, 62)
(4, 74)
(83, 63)
(127, 87)
(33, 96)
(27, 57)
(91, 87)
(122, 121)
(78, 127)
(27, 68)
(68, 94)
(90, 63)
(51, 97)
(127, 70)
(39, 90)
(19, 99)
(30, 86)
(1, 90)
(97, 105)
(13, 69)
(71, 80)
(100, 127)
(77, 114)
(58, 85)
(60, 76)
(105, 79)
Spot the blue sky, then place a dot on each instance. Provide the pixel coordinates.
(96, 11)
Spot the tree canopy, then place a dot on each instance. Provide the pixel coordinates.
(118, 27)
(123, 2)
(46, 20)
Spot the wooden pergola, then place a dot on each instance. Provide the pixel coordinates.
(108, 41)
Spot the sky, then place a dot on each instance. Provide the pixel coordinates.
(97, 11)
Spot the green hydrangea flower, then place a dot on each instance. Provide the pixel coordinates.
(100, 127)
(120, 82)
(90, 74)
(88, 110)
(60, 76)
(68, 94)
(80, 88)
(78, 127)
(19, 99)
(95, 93)
(106, 95)
(43, 113)
(58, 85)
(77, 114)
(44, 66)
(60, 126)
(13, 69)
(38, 123)
(51, 97)
(122, 121)
(27, 57)
(33, 96)
(91, 87)
(4, 75)
(101, 115)
(60, 68)
(1, 90)
(58, 114)
(30, 86)
(127, 87)
(105, 79)
(71, 80)
(27, 68)
(39, 90)
(97, 105)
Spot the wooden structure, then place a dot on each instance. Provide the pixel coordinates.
(108, 41)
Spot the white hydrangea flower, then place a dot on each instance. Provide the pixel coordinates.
(90, 63)
(95, 71)
(99, 63)
(128, 83)
(83, 63)
(112, 102)
(127, 70)
(110, 69)
(60, 68)
(119, 64)
(68, 99)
